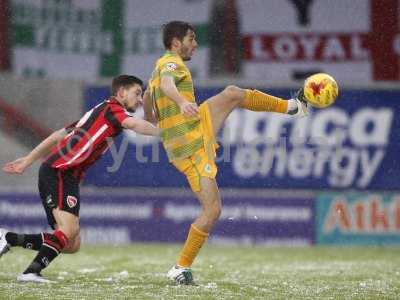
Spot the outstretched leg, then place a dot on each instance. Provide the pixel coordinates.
(222, 104)
(27, 241)
(32, 241)
(35, 241)
(53, 244)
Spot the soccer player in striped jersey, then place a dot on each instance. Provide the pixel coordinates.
(68, 153)
(188, 131)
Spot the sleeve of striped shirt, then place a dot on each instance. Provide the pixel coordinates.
(116, 115)
(173, 68)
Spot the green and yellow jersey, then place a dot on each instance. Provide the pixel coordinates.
(181, 136)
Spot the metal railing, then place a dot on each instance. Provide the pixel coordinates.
(19, 125)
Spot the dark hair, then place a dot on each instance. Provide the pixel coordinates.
(175, 29)
(125, 81)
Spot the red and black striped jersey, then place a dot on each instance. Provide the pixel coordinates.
(88, 139)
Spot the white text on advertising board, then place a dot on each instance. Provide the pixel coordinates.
(343, 149)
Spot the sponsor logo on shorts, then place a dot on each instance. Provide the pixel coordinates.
(49, 202)
(72, 201)
(207, 168)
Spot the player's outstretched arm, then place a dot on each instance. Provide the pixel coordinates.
(140, 126)
(170, 90)
(19, 165)
(148, 108)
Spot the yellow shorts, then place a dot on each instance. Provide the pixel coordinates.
(202, 162)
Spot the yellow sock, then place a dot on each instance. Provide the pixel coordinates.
(194, 241)
(258, 101)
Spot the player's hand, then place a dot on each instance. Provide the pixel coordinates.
(17, 166)
(189, 109)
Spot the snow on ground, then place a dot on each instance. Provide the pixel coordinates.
(138, 272)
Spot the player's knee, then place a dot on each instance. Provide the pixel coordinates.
(73, 246)
(233, 93)
(77, 245)
(217, 212)
(74, 232)
(70, 231)
(213, 213)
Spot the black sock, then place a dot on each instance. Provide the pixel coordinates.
(14, 239)
(28, 241)
(49, 250)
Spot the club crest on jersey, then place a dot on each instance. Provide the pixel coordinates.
(171, 66)
(72, 201)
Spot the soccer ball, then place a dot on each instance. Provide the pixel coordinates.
(321, 90)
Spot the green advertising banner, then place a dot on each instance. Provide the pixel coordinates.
(358, 218)
(275, 40)
(89, 39)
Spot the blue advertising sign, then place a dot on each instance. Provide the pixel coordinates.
(358, 218)
(352, 144)
(121, 219)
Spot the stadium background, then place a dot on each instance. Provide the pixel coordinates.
(332, 178)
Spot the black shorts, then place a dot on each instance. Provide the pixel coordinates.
(58, 188)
